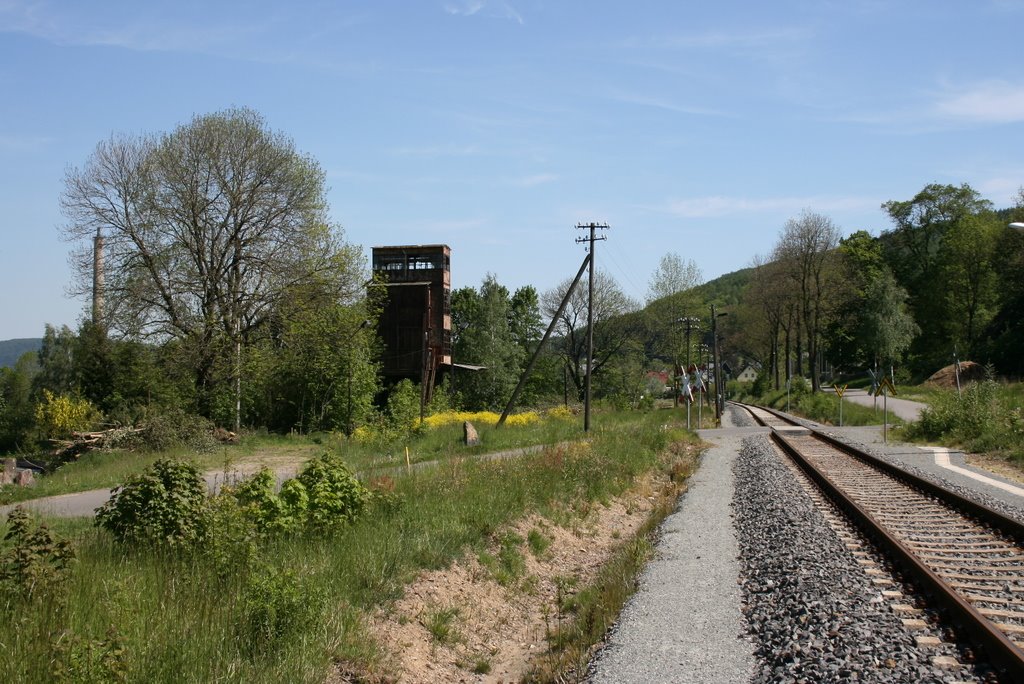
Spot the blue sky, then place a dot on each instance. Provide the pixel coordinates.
(495, 127)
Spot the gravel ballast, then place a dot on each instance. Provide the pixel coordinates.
(814, 613)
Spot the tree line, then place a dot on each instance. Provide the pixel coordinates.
(942, 283)
(228, 293)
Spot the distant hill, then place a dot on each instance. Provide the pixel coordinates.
(726, 290)
(11, 350)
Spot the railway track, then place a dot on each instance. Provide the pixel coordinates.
(968, 558)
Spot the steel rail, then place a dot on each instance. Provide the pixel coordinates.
(999, 649)
(1003, 523)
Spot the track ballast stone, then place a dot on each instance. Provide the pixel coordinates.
(814, 614)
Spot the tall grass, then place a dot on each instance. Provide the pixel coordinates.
(985, 417)
(138, 614)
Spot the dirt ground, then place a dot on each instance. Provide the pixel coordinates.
(999, 466)
(496, 631)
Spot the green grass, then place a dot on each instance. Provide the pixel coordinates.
(163, 617)
(984, 417)
(98, 469)
(823, 407)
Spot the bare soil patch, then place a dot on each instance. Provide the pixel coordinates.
(1000, 466)
(946, 377)
(497, 631)
(283, 459)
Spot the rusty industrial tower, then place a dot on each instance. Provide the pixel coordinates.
(416, 323)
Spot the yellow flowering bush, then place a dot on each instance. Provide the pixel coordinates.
(560, 413)
(478, 417)
(58, 415)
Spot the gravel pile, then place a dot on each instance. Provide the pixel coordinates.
(813, 612)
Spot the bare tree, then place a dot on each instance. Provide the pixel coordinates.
(612, 329)
(672, 277)
(806, 250)
(205, 230)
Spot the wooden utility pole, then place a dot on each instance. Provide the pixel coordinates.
(590, 315)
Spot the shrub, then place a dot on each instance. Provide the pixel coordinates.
(76, 659)
(404, 405)
(269, 511)
(335, 495)
(173, 428)
(58, 415)
(37, 560)
(762, 384)
(162, 506)
(230, 539)
(967, 417)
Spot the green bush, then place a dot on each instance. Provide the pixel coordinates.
(335, 495)
(762, 384)
(966, 417)
(173, 428)
(37, 558)
(163, 506)
(404, 405)
(272, 512)
(819, 407)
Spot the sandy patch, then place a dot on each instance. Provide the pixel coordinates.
(999, 466)
(495, 631)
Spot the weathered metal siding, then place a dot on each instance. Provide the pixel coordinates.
(415, 324)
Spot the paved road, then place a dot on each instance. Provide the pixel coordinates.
(907, 410)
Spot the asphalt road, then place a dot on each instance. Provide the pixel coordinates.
(907, 410)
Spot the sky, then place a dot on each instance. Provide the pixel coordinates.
(495, 127)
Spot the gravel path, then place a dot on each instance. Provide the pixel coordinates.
(684, 623)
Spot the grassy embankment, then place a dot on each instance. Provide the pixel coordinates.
(295, 608)
(985, 417)
(823, 407)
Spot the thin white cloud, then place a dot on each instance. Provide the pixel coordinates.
(1002, 190)
(985, 102)
(658, 103)
(718, 39)
(436, 151)
(716, 206)
(27, 143)
(535, 180)
(469, 8)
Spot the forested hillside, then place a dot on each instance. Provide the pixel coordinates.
(11, 350)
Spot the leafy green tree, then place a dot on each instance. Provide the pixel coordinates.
(673, 276)
(206, 229)
(1004, 335)
(612, 328)
(484, 323)
(887, 326)
(17, 410)
(970, 280)
(916, 251)
(806, 249)
(56, 362)
(327, 376)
